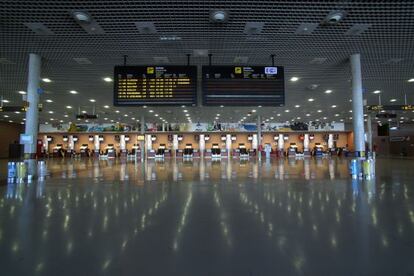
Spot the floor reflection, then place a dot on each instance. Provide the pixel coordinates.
(293, 216)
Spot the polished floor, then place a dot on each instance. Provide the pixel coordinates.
(277, 217)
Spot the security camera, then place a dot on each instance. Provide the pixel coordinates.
(334, 17)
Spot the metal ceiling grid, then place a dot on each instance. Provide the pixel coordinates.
(389, 37)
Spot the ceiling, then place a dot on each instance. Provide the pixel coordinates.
(318, 57)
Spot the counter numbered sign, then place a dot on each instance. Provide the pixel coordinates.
(406, 107)
(243, 85)
(155, 85)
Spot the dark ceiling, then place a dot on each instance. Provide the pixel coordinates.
(381, 31)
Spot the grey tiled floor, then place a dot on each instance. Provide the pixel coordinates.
(283, 217)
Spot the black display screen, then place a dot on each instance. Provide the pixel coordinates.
(155, 85)
(243, 85)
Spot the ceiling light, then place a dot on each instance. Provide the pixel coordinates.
(51, 112)
(46, 80)
(217, 118)
(144, 106)
(107, 79)
(125, 115)
(333, 106)
(6, 116)
(411, 80)
(84, 111)
(106, 106)
(22, 92)
(185, 110)
(187, 115)
(221, 105)
(218, 16)
(92, 100)
(311, 100)
(287, 110)
(49, 101)
(150, 111)
(66, 115)
(319, 111)
(328, 91)
(294, 79)
(376, 92)
(336, 115)
(324, 118)
(307, 115)
(116, 111)
(297, 106)
(249, 114)
(156, 115)
(68, 106)
(73, 92)
(82, 17)
(254, 110)
(393, 100)
(5, 101)
(17, 112)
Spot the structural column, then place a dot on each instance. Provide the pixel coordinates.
(142, 143)
(32, 114)
(357, 105)
(259, 137)
(369, 132)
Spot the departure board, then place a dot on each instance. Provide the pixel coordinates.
(243, 85)
(155, 85)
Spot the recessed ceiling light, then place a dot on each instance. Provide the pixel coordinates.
(22, 92)
(324, 118)
(307, 115)
(156, 115)
(116, 111)
(106, 106)
(187, 115)
(376, 92)
(150, 111)
(84, 111)
(6, 116)
(10, 121)
(254, 110)
(92, 100)
(68, 106)
(81, 17)
(51, 119)
(185, 110)
(51, 112)
(297, 106)
(411, 80)
(311, 99)
(107, 79)
(336, 115)
(73, 92)
(217, 118)
(5, 101)
(328, 91)
(294, 79)
(49, 101)
(221, 105)
(333, 106)
(393, 100)
(46, 80)
(319, 111)
(287, 110)
(65, 115)
(125, 115)
(144, 106)
(17, 112)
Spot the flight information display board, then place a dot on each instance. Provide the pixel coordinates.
(405, 107)
(155, 85)
(243, 85)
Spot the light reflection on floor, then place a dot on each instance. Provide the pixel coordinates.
(201, 217)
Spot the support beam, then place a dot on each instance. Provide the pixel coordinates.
(259, 137)
(357, 105)
(142, 143)
(32, 114)
(369, 132)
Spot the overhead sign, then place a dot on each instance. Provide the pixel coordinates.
(13, 108)
(386, 116)
(155, 85)
(406, 107)
(87, 116)
(243, 85)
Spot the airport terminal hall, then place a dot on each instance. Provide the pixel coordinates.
(206, 138)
